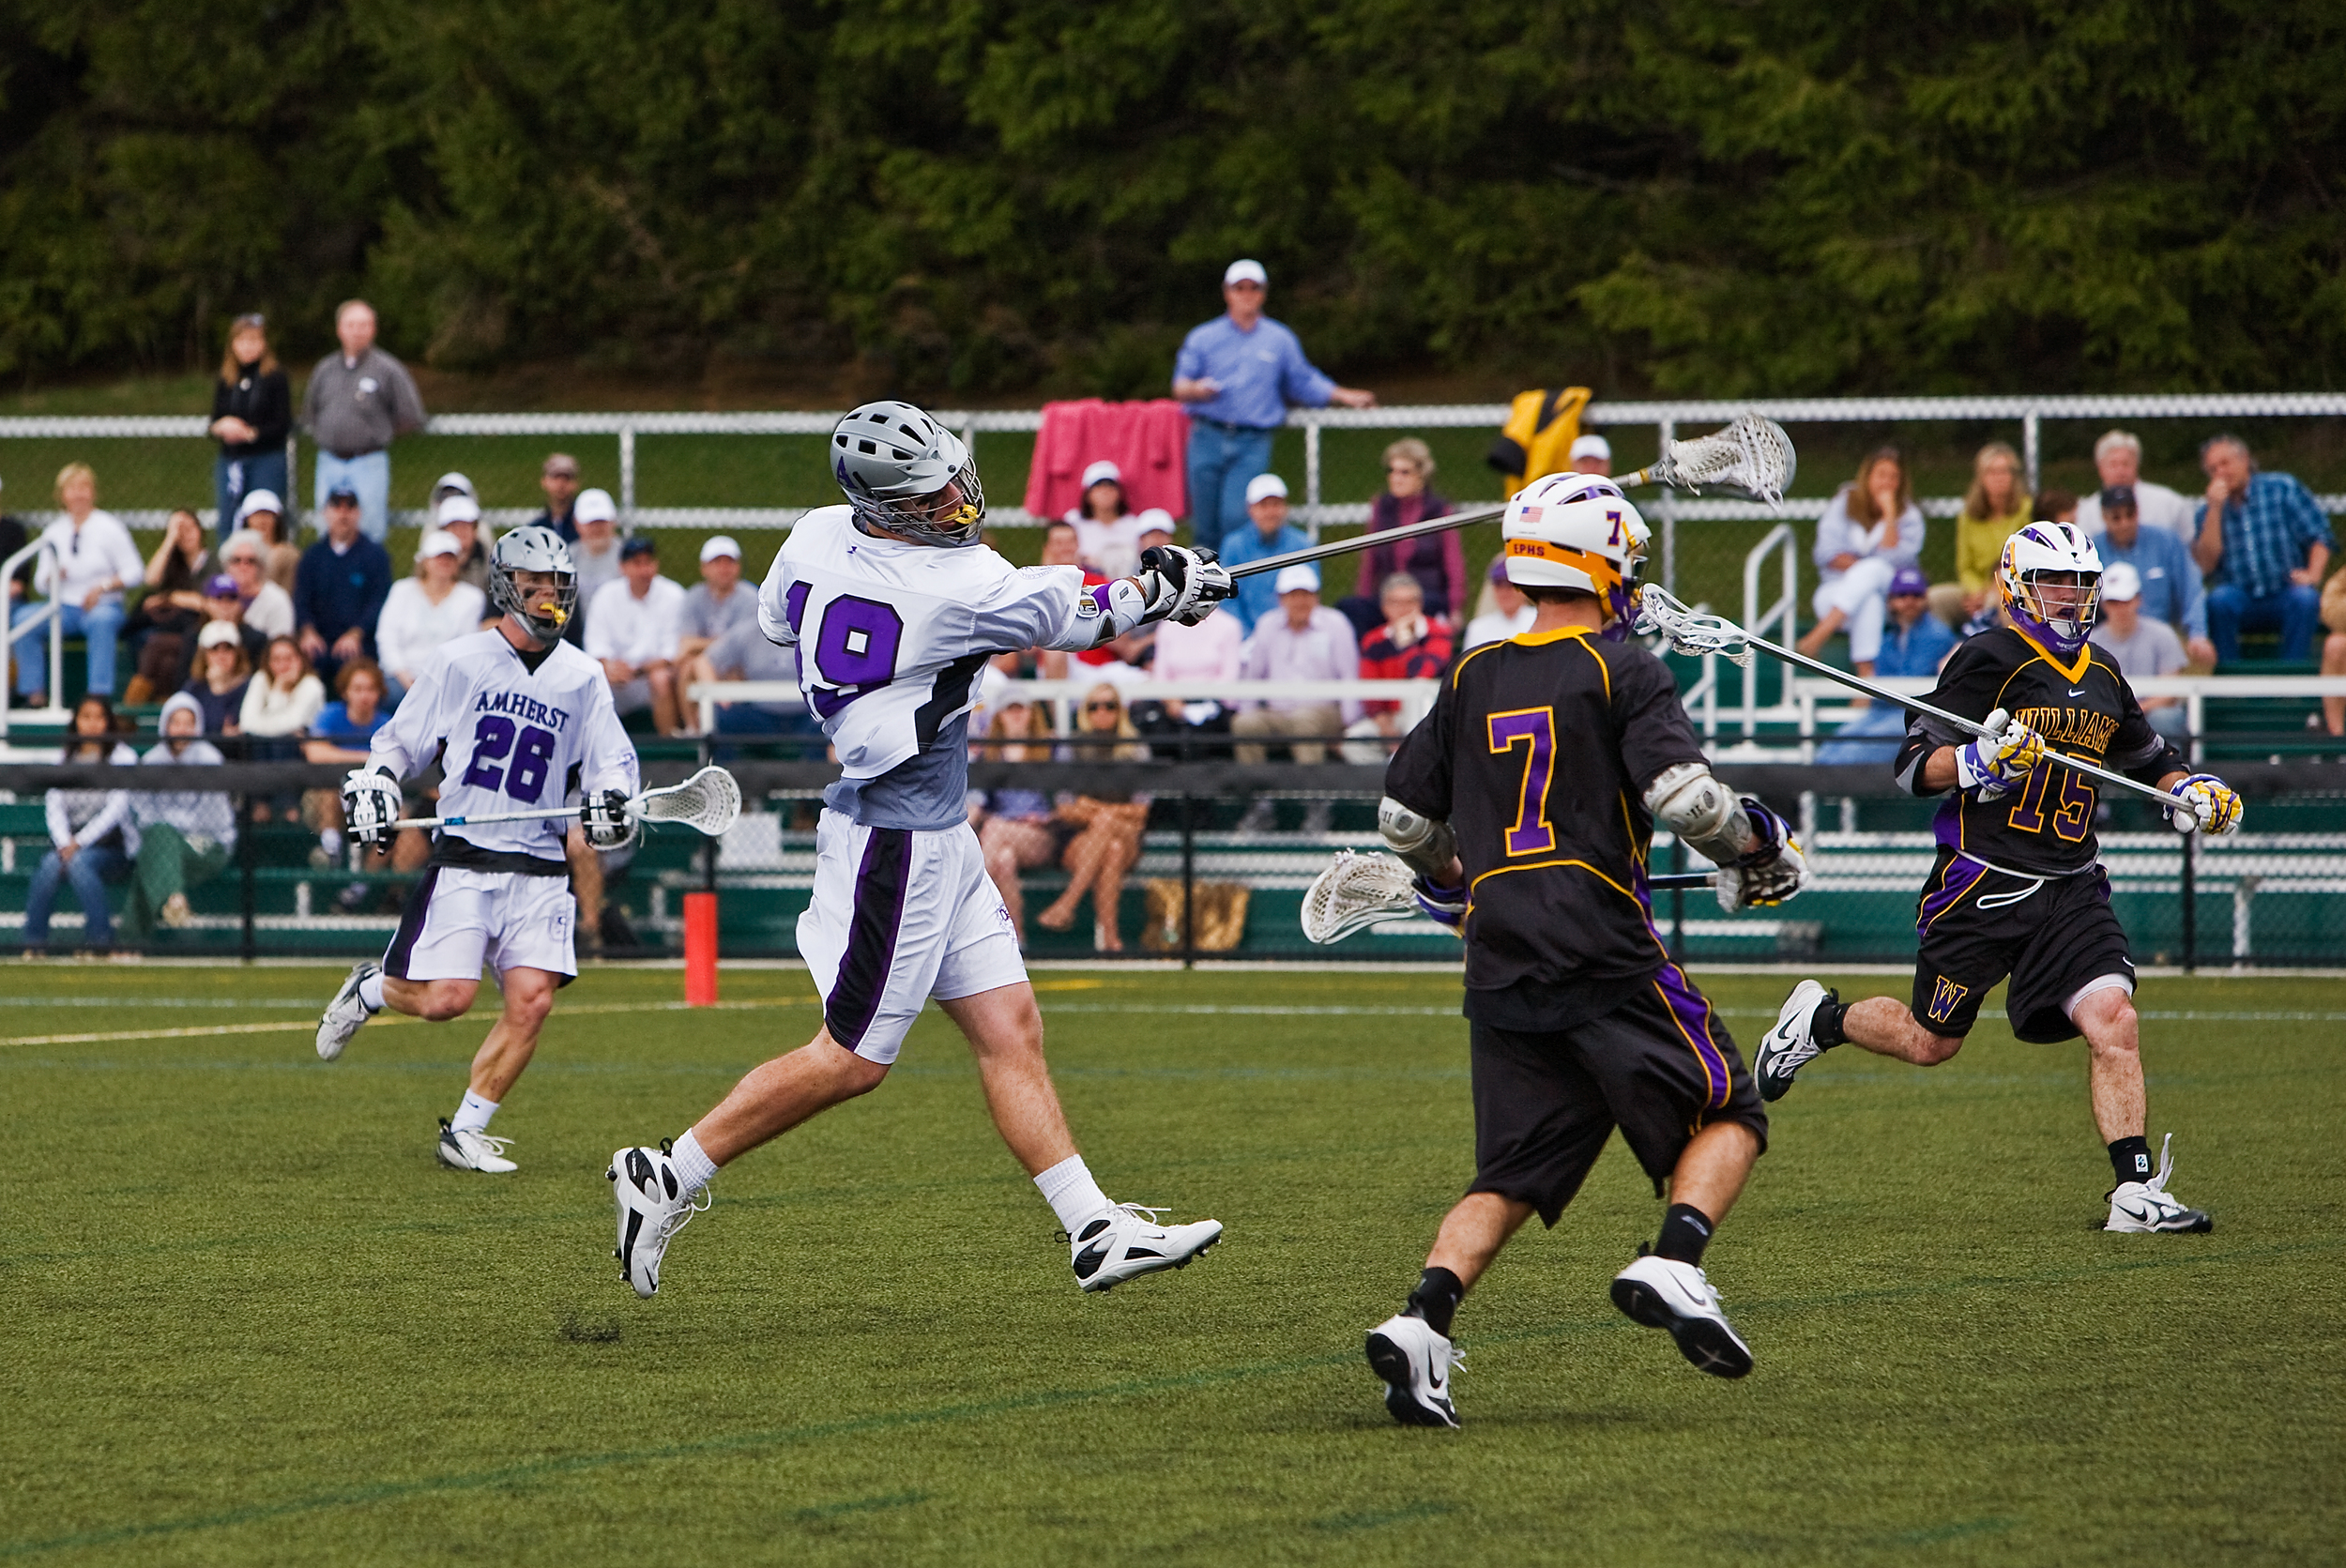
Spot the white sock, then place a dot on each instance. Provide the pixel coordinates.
(331, 840)
(1071, 1194)
(473, 1114)
(370, 991)
(693, 1167)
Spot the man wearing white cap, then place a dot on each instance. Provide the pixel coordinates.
(1238, 372)
(2143, 647)
(1108, 537)
(1592, 455)
(1305, 641)
(459, 515)
(595, 553)
(426, 612)
(1267, 532)
(715, 604)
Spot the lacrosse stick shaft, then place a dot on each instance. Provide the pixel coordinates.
(1676, 881)
(1363, 542)
(493, 816)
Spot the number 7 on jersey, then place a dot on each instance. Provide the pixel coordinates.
(1534, 730)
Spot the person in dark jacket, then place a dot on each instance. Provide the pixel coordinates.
(251, 416)
(1438, 562)
(339, 589)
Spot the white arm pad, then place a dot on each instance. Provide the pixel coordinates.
(1705, 813)
(1122, 606)
(1425, 847)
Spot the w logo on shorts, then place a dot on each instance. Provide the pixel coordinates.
(1946, 996)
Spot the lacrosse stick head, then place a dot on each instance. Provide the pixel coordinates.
(1660, 611)
(709, 800)
(1354, 893)
(1752, 456)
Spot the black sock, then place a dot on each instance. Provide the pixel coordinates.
(1825, 1023)
(2130, 1158)
(1685, 1232)
(1435, 1299)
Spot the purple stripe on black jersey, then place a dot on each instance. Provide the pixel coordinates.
(1954, 882)
(880, 885)
(1691, 1011)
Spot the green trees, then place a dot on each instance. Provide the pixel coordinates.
(991, 195)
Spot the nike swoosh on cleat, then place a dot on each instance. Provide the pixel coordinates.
(1089, 1260)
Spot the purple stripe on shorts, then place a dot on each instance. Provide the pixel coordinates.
(880, 885)
(1692, 1011)
(1960, 878)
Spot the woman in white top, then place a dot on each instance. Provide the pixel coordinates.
(425, 611)
(284, 698)
(92, 833)
(1107, 539)
(89, 560)
(268, 608)
(1869, 530)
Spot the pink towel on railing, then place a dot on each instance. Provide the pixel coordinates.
(1148, 441)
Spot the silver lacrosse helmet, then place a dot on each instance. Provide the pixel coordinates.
(894, 461)
(535, 548)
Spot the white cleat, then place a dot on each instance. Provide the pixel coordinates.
(1125, 1243)
(467, 1149)
(652, 1209)
(1791, 1044)
(1415, 1363)
(2145, 1207)
(1664, 1293)
(346, 1013)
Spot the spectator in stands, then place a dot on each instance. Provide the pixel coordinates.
(1211, 651)
(2169, 579)
(2056, 506)
(1017, 832)
(459, 516)
(262, 513)
(718, 603)
(1505, 613)
(220, 604)
(14, 536)
(357, 401)
(1108, 537)
(1438, 561)
(1305, 641)
(338, 596)
(92, 834)
(266, 608)
(1268, 533)
(223, 669)
(2143, 647)
(2267, 542)
(1062, 546)
(89, 562)
(251, 416)
(1869, 530)
(340, 735)
(744, 653)
(454, 482)
(1238, 372)
(2118, 461)
(1410, 646)
(1915, 644)
(281, 702)
(1995, 508)
(632, 628)
(163, 626)
(558, 478)
(1591, 454)
(425, 611)
(1107, 825)
(2334, 649)
(596, 554)
(185, 835)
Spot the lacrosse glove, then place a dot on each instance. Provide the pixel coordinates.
(1445, 907)
(370, 803)
(1995, 765)
(2209, 804)
(1183, 585)
(605, 819)
(1771, 871)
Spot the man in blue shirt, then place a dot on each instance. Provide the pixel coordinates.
(340, 587)
(1267, 533)
(2267, 542)
(1915, 642)
(1238, 372)
(2171, 579)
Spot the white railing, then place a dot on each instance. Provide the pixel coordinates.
(48, 614)
(1779, 620)
(1414, 697)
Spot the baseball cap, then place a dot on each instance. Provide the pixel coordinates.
(639, 544)
(1297, 579)
(453, 482)
(260, 500)
(1102, 472)
(1592, 446)
(2120, 497)
(2120, 581)
(1908, 579)
(217, 633)
(341, 492)
(1156, 520)
(720, 544)
(594, 506)
(219, 585)
(458, 509)
(1262, 485)
(438, 541)
(1245, 270)
(1498, 574)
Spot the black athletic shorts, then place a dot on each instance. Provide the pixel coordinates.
(1974, 927)
(1660, 1066)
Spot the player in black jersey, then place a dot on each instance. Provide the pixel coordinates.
(2018, 889)
(1525, 801)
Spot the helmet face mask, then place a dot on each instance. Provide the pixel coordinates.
(1579, 531)
(2050, 581)
(544, 605)
(905, 473)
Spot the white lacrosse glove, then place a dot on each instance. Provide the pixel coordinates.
(1995, 765)
(1771, 871)
(370, 803)
(2209, 804)
(1446, 907)
(1183, 585)
(605, 819)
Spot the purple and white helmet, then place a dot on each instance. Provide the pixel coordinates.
(2051, 577)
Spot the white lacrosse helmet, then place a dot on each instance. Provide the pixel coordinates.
(2051, 579)
(1577, 531)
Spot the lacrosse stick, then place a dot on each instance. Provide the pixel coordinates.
(708, 801)
(1752, 456)
(1357, 891)
(1692, 633)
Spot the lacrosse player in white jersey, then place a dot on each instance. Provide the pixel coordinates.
(894, 608)
(516, 718)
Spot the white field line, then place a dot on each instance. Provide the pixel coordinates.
(294, 1025)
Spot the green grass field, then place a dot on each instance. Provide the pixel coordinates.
(248, 1320)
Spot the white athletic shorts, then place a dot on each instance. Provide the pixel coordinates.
(900, 917)
(457, 918)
